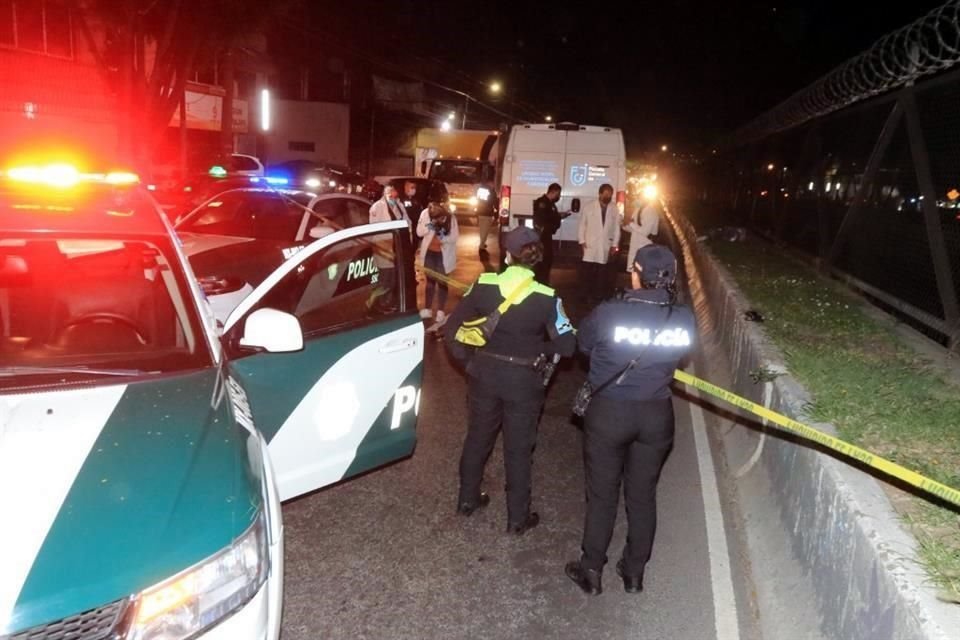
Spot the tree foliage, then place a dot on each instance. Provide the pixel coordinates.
(149, 48)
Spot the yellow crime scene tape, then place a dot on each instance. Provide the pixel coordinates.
(436, 275)
(863, 456)
(854, 452)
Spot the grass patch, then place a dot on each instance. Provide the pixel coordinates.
(880, 394)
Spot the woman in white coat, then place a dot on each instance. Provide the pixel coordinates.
(599, 235)
(641, 225)
(438, 253)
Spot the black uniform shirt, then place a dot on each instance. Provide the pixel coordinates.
(642, 324)
(534, 324)
(546, 218)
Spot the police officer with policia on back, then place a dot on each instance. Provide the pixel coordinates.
(634, 343)
(505, 377)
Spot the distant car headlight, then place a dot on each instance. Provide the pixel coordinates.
(202, 596)
(483, 193)
(312, 183)
(473, 201)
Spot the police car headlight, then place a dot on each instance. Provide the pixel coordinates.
(205, 594)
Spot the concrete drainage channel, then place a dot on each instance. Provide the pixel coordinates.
(846, 544)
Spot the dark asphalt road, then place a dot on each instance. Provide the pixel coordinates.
(385, 556)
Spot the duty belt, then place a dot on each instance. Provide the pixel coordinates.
(523, 362)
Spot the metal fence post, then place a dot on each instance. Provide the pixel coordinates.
(931, 216)
(869, 175)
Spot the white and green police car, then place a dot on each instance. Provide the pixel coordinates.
(144, 451)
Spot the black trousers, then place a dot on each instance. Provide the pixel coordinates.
(624, 442)
(596, 281)
(507, 396)
(542, 270)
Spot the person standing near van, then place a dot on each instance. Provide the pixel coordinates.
(438, 255)
(641, 226)
(599, 235)
(486, 212)
(546, 222)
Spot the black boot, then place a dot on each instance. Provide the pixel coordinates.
(520, 528)
(467, 508)
(631, 584)
(587, 579)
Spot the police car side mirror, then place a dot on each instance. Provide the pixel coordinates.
(272, 331)
(575, 205)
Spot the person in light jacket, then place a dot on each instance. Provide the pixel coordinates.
(641, 226)
(438, 255)
(599, 235)
(387, 208)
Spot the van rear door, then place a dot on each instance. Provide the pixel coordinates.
(592, 158)
(536, 160)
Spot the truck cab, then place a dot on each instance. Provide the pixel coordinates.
(467, 183)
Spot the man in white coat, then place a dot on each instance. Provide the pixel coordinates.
(641, 226)
(599, 235)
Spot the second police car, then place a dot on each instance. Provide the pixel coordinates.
(143, 452)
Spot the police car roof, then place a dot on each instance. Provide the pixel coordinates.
(81, 209)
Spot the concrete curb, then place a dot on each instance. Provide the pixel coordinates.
(842, 529)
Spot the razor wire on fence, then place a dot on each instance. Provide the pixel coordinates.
(872, 191)
(929, 45)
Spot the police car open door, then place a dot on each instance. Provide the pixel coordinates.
(348, 401)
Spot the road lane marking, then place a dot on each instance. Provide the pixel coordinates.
(725, 618)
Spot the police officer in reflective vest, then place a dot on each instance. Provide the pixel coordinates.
(634, 343)
(504, 387)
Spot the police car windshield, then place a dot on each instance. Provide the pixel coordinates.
(81, 306)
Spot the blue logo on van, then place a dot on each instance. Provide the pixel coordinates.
(578, 175)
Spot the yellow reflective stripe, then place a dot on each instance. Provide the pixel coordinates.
(863, 456)
(543, 289)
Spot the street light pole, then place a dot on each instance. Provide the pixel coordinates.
(463, 121)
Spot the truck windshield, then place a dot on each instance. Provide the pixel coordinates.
(457, 172)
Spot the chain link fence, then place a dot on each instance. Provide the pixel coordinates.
(867, 184)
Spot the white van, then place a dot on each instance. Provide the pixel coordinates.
(578, 157)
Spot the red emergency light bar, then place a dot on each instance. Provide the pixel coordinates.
(65, 176)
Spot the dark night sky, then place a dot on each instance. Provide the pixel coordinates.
(679, 72)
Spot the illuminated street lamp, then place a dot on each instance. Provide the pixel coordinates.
(265, 110)
(770, 167)
(549, 118)
(664, 148)
(495, 87)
